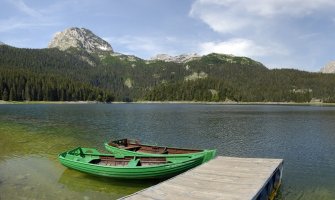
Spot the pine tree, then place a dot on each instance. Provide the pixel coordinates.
(12, 96)
(27, 96)
(5, 95)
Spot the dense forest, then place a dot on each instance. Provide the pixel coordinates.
(54, 75)
(19, 85)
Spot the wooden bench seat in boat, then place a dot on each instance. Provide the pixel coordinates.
(132, 148)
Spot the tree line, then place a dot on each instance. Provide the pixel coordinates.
(51, 74)
(20, 85)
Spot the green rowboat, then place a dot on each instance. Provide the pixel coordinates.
(90, 160)
(135, 148)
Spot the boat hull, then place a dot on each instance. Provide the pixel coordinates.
(207, 154)
(176, 166)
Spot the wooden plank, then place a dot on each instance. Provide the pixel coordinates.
(221, 178)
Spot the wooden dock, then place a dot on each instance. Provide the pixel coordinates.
(221, 178)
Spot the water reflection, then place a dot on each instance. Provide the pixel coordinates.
(29, 177)
(79, 182)
(29, 168)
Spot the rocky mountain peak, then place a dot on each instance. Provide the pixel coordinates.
(80, 38)
(183, 58)
(1, 43)
(329, 68)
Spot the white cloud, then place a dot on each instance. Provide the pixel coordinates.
(218, 15)
(270, 30)
(237, 46)
(228, 16)
(23, 7)
(134, 43)
(296, 8)
(143, 46)
(17, 23)
(33, 18)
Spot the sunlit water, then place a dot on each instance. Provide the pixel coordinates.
(31, 136)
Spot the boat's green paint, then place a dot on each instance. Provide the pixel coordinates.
(208, 154)
(80, 158)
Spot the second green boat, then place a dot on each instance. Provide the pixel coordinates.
(135, 148)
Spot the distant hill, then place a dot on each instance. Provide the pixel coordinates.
(329, 68)
(88, 71)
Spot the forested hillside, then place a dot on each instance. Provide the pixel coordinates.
(46, 74)
(54, 75)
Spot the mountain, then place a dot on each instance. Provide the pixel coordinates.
(177, 59)
(79, 38)
(1, 43)
(83, 71)
(329, 68)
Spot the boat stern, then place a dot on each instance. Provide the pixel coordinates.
(209, 155)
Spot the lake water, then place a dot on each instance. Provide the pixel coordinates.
(31, 136)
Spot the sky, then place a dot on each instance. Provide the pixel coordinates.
(297, 34)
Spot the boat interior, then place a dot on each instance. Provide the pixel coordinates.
(135, 145)
(129, 161)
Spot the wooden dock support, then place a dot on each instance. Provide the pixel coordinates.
(221, 178)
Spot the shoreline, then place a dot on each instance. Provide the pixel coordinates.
(46, 102)
(170, 102)
(231, 103)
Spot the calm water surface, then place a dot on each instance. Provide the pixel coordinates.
(31, 136)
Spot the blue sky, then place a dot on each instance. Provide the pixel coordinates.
(279, 33)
